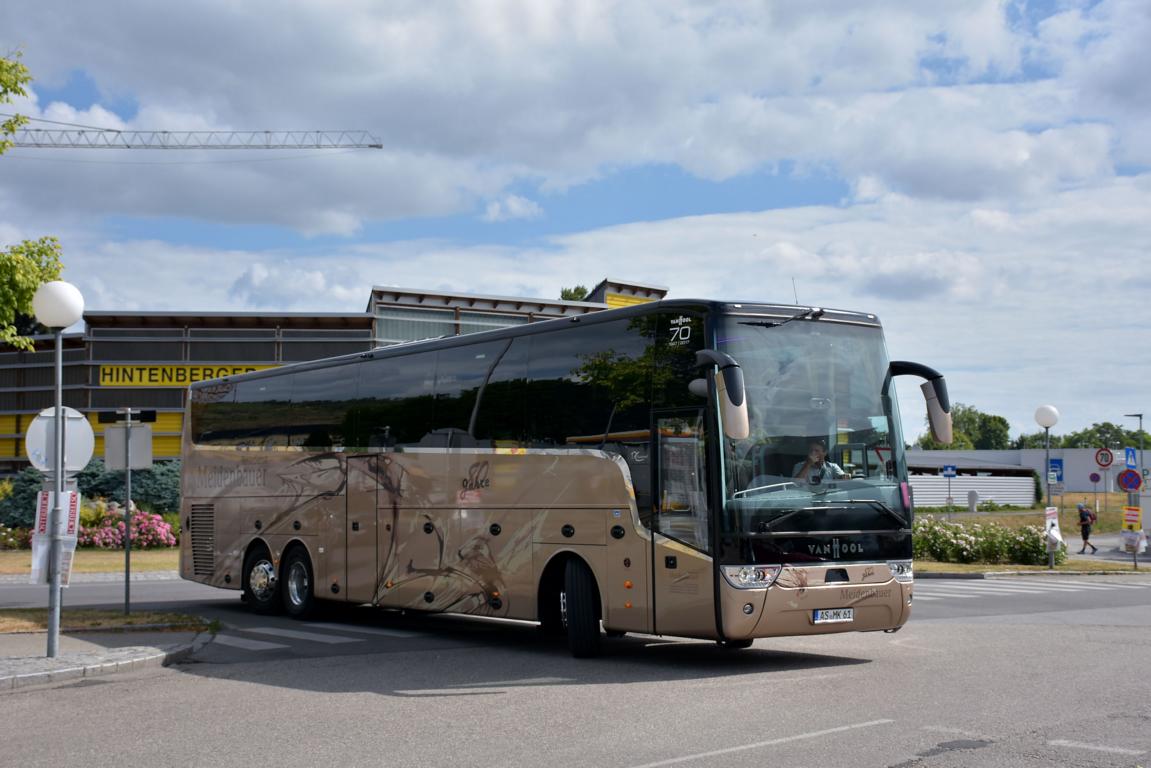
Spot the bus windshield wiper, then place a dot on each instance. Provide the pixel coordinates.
(767, 525)
(876, 504)
(813, 312)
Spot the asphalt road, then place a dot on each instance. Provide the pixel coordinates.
(1041, 671)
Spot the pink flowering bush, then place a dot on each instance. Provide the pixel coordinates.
(149, 531)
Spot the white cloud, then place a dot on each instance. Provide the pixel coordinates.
(512, 207)
(469, 98)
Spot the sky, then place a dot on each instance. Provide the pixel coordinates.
(975, 172)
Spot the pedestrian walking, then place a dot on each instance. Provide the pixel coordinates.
(1086, 520)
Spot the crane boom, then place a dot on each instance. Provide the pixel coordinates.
(113, 139)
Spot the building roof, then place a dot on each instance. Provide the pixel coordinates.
(329, 320)
(420, 298)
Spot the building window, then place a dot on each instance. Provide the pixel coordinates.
(394, 326)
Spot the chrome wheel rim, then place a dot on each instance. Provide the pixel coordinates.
(262, 580)
(298, 583)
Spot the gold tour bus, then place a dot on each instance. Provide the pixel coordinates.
(693, 468)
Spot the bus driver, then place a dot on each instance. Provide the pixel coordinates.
(817, 468)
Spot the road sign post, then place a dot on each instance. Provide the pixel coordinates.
(127, 446)
(1054, 537)
(59, 443)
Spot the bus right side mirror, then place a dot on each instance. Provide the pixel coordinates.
(934, 392)
(729, 387)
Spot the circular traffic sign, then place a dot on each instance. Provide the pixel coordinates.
(1129, 480)
(40, 441)
(1104, 457)
(1094, 477)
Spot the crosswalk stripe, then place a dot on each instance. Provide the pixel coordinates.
(362, 630)
(934, 594)
(297, 635)
(1092, 584)
(1004, 590)
(979, 590)
(246, 643)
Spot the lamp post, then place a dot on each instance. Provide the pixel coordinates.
(1047, 416)
(57, 305)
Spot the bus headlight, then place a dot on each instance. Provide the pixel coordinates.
(901, 570)
(751, 576)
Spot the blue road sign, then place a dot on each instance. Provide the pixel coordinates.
(949, 470)
(1131, 463)
(1056, 466)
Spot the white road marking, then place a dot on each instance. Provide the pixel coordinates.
(770, 743)
(916, 596)
(1097, 748)
(956, 731)
(935, 594)
(989, 590)
(362, 630)
(1090, 584)
(296, 635)
(246, 643)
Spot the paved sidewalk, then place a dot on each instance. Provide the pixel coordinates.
(24, 663)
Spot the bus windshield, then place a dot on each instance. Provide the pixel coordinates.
(825, 449)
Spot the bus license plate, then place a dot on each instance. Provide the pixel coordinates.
(832, 615)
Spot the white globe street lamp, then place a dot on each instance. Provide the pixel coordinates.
(57, 305)
(1047, 416)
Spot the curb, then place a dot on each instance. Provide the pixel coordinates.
(999, 574)
(148, 657)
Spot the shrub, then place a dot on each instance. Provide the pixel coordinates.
(149, 531)
(945, 542)
(15, 538)
(18, 508)
(173, 521)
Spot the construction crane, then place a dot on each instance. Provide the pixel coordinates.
(107, 138)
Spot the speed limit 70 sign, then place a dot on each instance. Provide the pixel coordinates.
(1104, 457)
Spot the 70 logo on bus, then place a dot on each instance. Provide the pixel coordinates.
(680, 331)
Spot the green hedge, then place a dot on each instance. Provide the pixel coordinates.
(946, 542)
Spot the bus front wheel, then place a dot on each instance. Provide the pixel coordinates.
(580, 610)
(261, 585)
(299, 600)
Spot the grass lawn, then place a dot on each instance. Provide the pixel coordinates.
(1110, 513)
(17, 561)
(73, 619)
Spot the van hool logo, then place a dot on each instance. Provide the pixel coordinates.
(836, 549)
(477, 477)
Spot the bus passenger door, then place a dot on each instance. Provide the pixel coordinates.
(683, 582)
(362, 530)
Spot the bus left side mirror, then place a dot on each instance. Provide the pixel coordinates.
(729, 386)
(934, 392)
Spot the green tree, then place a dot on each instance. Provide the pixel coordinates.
(972, 429)
(23, 267)
(1105, 435)
(13, 77)
(575, 293)
(1036, 440)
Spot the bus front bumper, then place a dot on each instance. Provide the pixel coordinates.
(802, 602)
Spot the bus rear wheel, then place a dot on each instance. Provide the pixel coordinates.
(580, 609)
(261, 584)
(299, 600)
